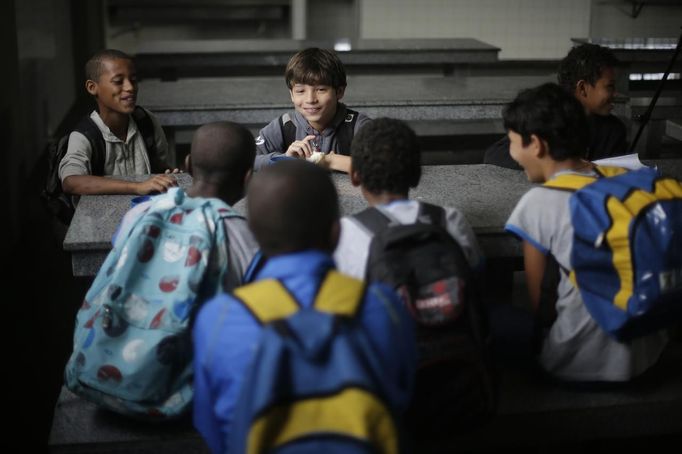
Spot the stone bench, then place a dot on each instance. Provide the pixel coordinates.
(532, 412)
(79, 426)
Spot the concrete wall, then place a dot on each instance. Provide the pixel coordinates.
(523, 29)
(614, 20)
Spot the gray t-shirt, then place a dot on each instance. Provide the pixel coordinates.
(270, 141)
(576, 348)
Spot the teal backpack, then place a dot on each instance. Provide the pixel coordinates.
(132, 348)
(315, 384)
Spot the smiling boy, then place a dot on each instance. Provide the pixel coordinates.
(320, 123)
(111, 79)
(547, 130)
(588, 72)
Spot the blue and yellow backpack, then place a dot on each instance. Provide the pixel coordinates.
(315, 384)
(132, 349)
(627, 248)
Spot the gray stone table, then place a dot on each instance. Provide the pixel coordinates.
(486, 195)
(170, 59)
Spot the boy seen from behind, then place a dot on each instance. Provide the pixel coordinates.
(430, 255)
(548, 135)
(172, 253)
(293, 212)
(321, 127)
(386, 164)
(111, 79)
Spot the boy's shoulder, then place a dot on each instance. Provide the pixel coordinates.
(542, 201)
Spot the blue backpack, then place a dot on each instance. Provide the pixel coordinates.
(627, 248)
(132, 348)
(315, 385)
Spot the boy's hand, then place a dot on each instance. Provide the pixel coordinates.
(301, 148)
(176, 170)
(155, 184)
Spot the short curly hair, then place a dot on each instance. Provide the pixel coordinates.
(314, 66)
(386, 155)
(585, 62)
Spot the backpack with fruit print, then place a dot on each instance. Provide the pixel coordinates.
(132, 348)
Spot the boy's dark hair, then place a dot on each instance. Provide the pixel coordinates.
(554, 115)
(93, 68)
(385, 154)
(222, 153)
(292, 206)
(314, 66)
(585, 62)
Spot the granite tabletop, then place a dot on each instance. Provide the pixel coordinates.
(486, 195)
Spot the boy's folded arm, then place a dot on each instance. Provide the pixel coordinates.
(92, 184)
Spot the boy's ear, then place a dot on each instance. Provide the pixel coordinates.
(581, 89)
(355, 177)
(340, 92)
(188, 164)
(538, 146)
(247, 177)
(91, 87)
(334, 234)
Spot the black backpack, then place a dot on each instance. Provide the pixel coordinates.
(58, 203)
(455, 386)
(344, 132)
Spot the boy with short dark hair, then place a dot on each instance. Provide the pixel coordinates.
(548, 137)
(321, 128)
(430, 255)
(588, 73)
(386, 163)
(172, 253)
(112, 80)
(293, 212)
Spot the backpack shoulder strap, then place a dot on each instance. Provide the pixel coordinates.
(569, 182)
(288, 128)
(257, 263)
(90, 130)
(345, 132)
(340, 294)
(372, 219)
(267, 300)
(572, 182)
(146, 128)
(435, 213)
(608, 171)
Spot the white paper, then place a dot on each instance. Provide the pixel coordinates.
(629, 161)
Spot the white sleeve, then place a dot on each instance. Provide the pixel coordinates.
(353, 249)
(460, 229)
(242, 248)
